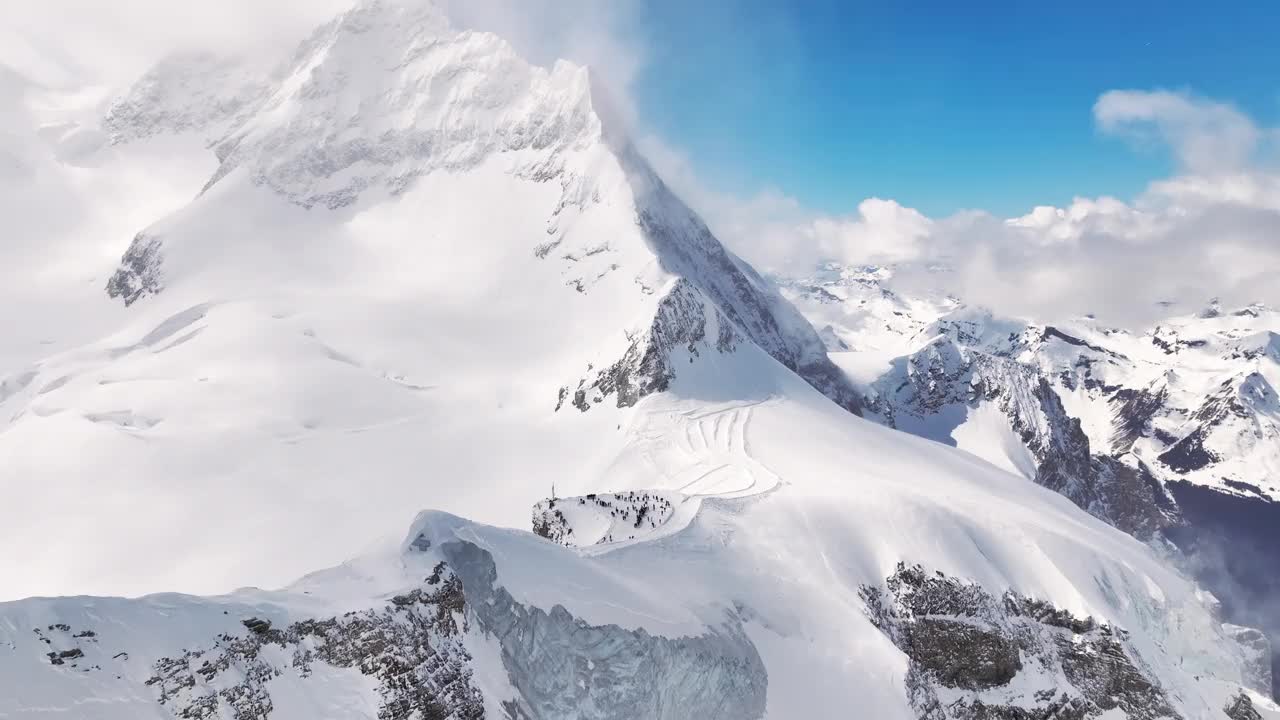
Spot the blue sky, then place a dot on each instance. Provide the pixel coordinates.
(939, 105)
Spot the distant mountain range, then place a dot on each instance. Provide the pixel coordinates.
(1170, 434)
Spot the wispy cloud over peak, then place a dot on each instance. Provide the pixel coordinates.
(1212, 230)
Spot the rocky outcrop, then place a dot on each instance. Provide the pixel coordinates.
(1241, 707)
(1236, 410)
(602, 517)
(684, 321)
(973, 656)
(412, 649)
(139, 273)
(945, 373)
(1133, 410)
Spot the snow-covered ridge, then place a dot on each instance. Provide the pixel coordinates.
(1156, 432)
(466, 621)
(1011, 415)
(1157, 396)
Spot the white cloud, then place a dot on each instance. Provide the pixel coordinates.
(76, 42)
(882, 231)
(113, 42)
(596, 33)
(1213, 230)
(1206, 136)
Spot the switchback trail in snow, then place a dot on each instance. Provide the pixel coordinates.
(705, 452)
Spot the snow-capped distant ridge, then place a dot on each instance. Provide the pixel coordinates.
(1264, 344)
(1213, 372)
(1169, 434)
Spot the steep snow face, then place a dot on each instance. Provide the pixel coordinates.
(799, 599)
(411, 247)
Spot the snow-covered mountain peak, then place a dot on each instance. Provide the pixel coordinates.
(485, 264)
(384, 93)
(376, 121)
(389, 92)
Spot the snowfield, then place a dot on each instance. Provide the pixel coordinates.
(422, 273)
(779, 572)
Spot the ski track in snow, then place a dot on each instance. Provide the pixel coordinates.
(705, 452)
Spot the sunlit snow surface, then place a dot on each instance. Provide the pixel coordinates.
(789, 560)
(377, 305)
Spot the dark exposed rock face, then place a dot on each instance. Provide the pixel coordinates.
(1241, 707)
(961, 642)
(945, 373)
(718, 303)
(681, 322)
(139, 272)
(412, 647)
(1189, 453)
(1134, 410)
(988, 660)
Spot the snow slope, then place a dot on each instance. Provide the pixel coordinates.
(768, 591)
(410, 248)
